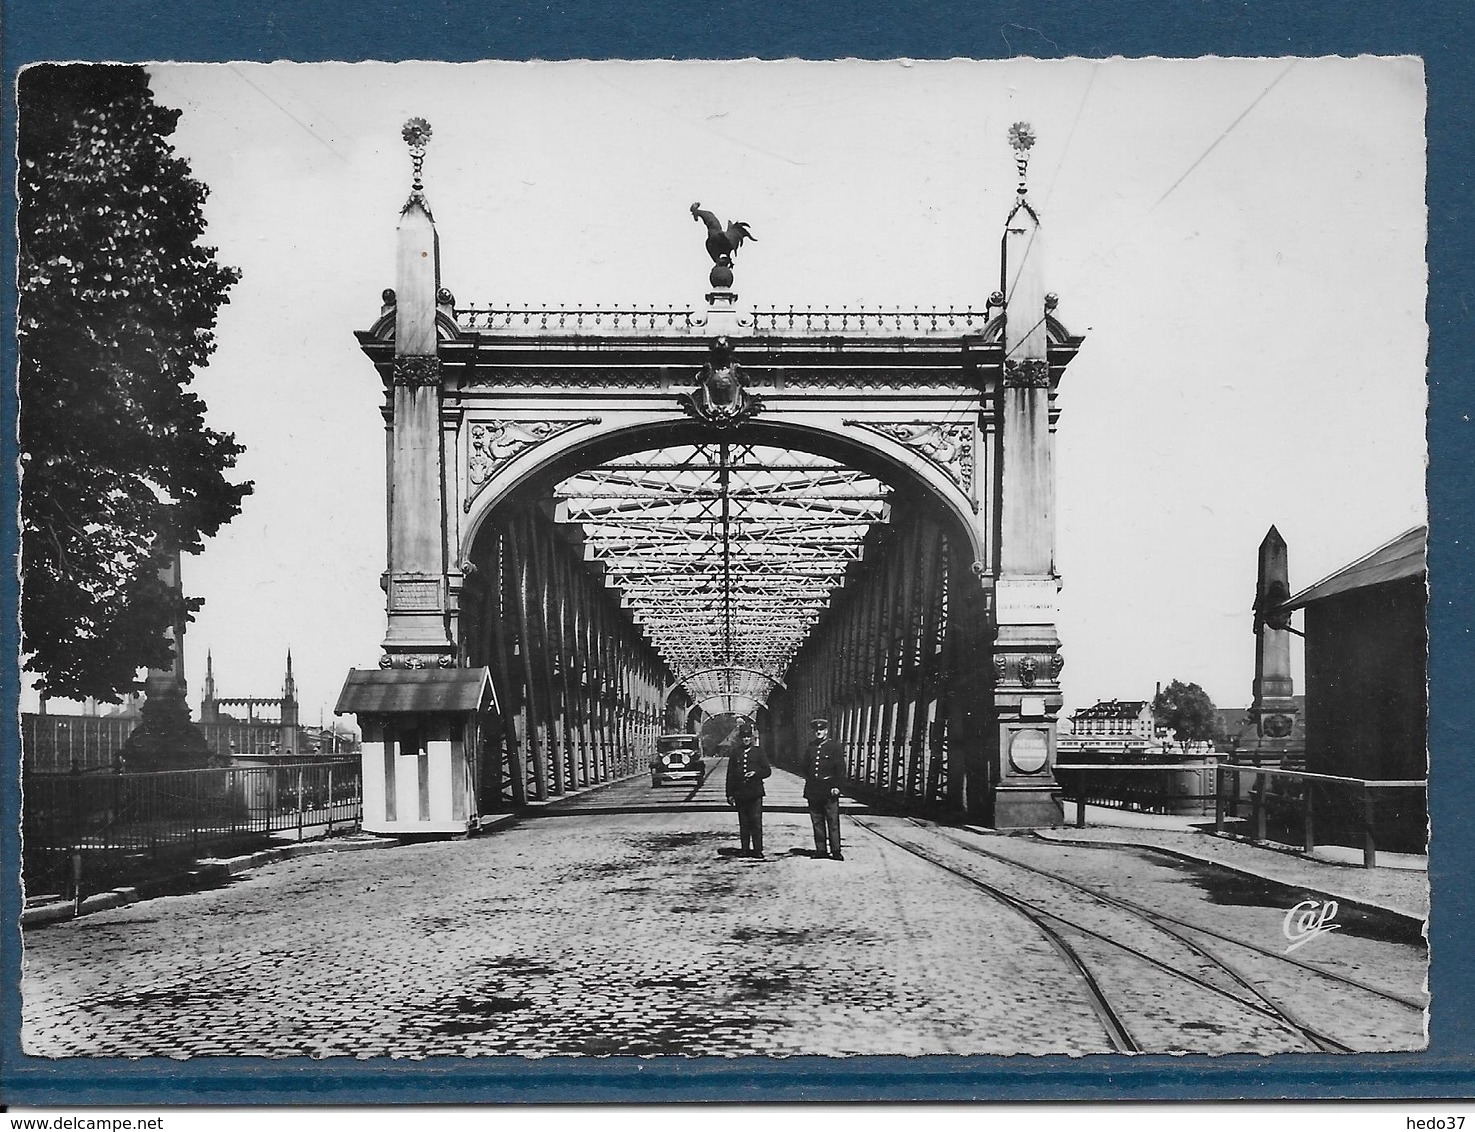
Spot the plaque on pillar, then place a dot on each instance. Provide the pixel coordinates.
(1024, 793)
(1025, 601)
(415, 595)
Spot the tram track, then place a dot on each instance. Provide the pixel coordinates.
(1117, 1033)
(1054, 926)
(1154, 914)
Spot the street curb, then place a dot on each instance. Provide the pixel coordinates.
(1362, 904)
(208, 872)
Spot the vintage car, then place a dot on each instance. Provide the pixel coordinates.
(677, 758)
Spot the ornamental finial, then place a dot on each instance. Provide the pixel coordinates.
(417, 135)
(1021, 138)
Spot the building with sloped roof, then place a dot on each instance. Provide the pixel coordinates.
(1111, 728)
(1367, 701)
(1367, 646)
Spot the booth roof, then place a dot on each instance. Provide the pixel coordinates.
(393, 691)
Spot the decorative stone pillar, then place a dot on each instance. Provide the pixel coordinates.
(1273, 709)
(166, 738)
(422, 717)
(1027, 662)
(418, 632)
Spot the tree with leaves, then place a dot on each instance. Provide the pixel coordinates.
(117, 309)
(1187, 710)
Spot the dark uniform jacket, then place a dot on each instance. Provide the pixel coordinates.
(746, 771)
(824, 769)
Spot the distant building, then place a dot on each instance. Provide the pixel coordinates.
(264, 726)
(1113, 729)
(260, 724)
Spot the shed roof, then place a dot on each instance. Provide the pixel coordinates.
(394, 691)
(1403, 557)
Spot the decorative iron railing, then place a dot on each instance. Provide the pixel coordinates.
(576, 320)
(859, 320)
(791, 321)
(94, 831)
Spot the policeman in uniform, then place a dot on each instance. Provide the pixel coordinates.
(746, 769)
(824, 771)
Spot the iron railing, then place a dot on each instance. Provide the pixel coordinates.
(1150, 788)
(573, 320)
(859, 320)
(1295, 806)
(100, 829)
(681, 320)
(1292, 807)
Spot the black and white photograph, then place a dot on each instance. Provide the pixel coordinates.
(669, 561)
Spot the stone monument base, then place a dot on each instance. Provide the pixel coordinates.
(1026, 807)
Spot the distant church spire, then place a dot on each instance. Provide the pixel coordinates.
(289, 709)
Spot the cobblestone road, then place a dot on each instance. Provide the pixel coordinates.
(620, 923)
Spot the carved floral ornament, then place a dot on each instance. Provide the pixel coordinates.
(1026, 373)
(948, 445)
(1028, 670)
(414, 660)
(416, 370)
(490, 444)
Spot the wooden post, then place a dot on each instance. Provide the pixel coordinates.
(1308, 835)
(1260, 807)
(1081, 805)
(1369, 844)
(1219, 796)
(329, 832)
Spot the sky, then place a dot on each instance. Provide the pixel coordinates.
(1240, 241)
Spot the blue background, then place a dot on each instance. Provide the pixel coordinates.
(1438, 30)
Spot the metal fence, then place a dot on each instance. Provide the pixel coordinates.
(1297, 807)
(1152, 788)
(56, 743)
(1293, 807)
(102, 828)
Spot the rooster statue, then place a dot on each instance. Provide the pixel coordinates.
(721, 243)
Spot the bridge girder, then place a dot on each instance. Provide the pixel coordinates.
(685, 538)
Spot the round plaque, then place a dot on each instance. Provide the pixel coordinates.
(1029, 751)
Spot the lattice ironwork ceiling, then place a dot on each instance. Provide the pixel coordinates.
(726, 553)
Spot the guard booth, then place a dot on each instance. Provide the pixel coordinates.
(422, 730)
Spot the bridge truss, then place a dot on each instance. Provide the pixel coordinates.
(726, 554)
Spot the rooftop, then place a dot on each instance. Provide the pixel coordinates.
(1403, 557)
(1112, 709)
